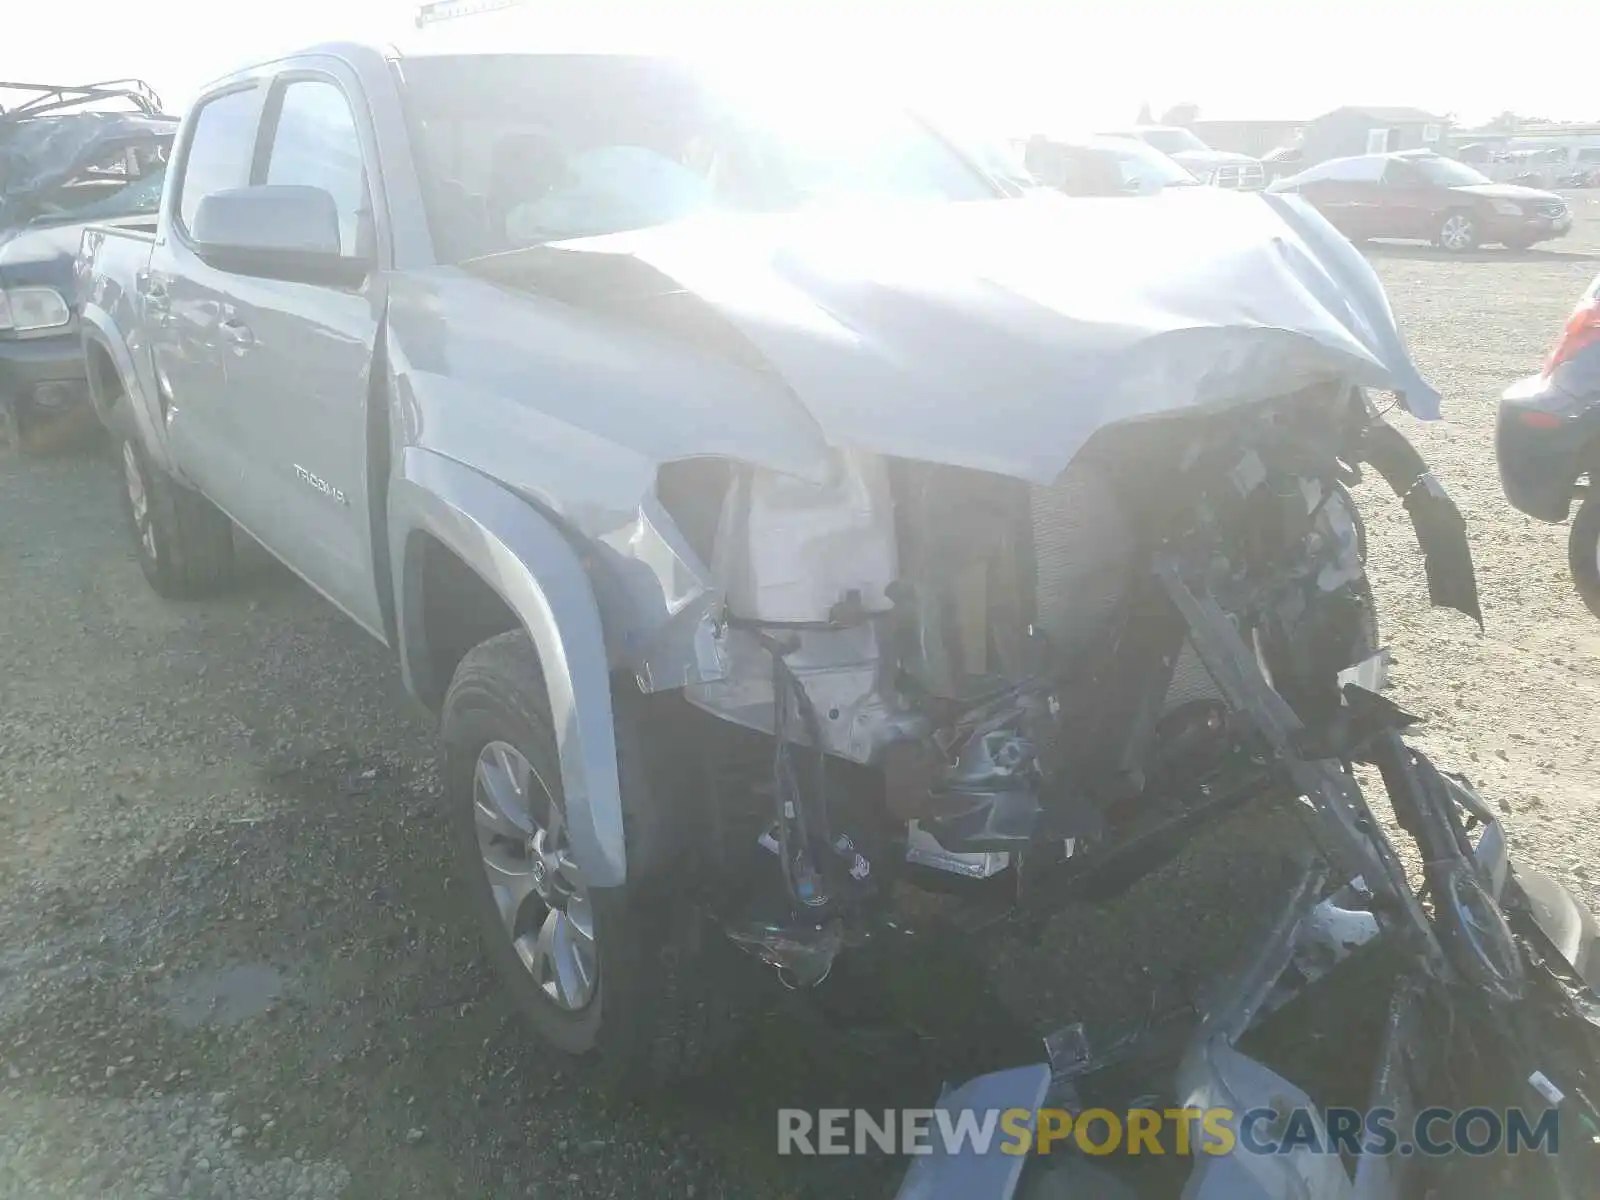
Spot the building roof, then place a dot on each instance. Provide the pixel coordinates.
(1399, 115)
(1261, 122)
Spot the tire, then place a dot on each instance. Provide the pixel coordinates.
(651, 1015)
(1583, 551)
(184, 543)
(1457, 232)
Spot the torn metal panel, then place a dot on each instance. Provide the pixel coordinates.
(843, 674)
(1213, 1074)
(968, 1175)
(1441, 531)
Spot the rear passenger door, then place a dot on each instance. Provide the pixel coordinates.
(302, 353)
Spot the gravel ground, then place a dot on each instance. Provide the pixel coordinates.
(231, 966)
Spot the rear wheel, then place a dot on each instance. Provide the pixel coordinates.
(184, 542)
(1458, 232)
(1583, 551)
(615, 974)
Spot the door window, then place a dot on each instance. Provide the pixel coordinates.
(1360, 169)
(1400, 173)
(1377, 141)
(315, 144)
(220, 150)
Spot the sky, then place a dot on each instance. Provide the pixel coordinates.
(1012, 66)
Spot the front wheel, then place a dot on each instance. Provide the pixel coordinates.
(612, 973)
(184, 542)
(1458, 232)
(1583, 551)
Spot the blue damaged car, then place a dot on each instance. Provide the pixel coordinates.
(64, 163)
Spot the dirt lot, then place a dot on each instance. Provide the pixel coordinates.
(229, 961)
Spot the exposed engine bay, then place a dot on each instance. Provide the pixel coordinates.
(1037, 693)
(997, 672)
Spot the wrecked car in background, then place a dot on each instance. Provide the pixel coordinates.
(776, 514)
(68, 156)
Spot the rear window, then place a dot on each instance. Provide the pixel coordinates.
(1360, 169)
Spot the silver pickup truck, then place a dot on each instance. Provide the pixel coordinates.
(782, 508)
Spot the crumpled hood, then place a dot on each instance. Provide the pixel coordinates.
(1003, 335)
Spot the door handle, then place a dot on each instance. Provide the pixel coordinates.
(237, 333)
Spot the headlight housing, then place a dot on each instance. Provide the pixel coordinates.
(1508, 208)
(28, 308)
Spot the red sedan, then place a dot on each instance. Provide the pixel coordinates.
(1427, 197)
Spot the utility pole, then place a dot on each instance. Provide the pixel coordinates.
(448, 10)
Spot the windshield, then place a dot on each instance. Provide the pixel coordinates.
(1172, 141)
(1140, 164)
(1448, 172)
(517, 150)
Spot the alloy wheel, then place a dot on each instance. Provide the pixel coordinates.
(538, 889)
(1456, 232)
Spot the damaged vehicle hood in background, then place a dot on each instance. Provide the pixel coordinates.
(1002, 335)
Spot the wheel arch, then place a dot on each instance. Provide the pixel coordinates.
(116, 389)
(490, 557)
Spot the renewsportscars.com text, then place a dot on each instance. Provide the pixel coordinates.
(1178, 1131)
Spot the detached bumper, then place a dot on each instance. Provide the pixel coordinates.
(1540, 436)
(1311, 938)
(44, 374)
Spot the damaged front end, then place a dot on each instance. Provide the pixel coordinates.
(1035, 694)
(1043, 689)
(1022, 562)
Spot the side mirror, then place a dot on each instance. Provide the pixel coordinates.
(277, 231)
(1133, 186)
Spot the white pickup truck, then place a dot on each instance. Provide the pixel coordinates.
(782, 511)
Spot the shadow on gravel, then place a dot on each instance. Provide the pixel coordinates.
(1424, 252)
(311, 967)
